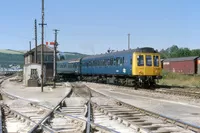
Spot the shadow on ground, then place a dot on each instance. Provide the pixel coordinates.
(174, 86)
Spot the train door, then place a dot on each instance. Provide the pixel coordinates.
(138, 64)
(148, 64)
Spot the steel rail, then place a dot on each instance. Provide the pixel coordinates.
(46, 128)
(179, 123)
(88, 116)
(27, 118)
(49, 114)
(1, 123)
(89, 122)
(17, 113)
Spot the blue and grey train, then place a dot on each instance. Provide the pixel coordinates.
(139, 67)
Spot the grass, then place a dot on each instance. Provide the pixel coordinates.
(175, 79)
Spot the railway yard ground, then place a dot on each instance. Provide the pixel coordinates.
(106, 108)
(177, 107)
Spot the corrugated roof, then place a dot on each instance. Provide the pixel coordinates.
(182, 58)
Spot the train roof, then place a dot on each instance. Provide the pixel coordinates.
(70, 60)
(181, 58)
(143, 50)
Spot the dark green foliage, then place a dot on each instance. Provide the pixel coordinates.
(174, 51)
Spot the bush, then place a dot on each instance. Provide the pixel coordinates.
(170, 78)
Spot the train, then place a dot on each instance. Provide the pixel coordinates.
(139, 67)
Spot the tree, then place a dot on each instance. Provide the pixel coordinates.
(174, 51)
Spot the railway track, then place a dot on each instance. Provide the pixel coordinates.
(122, 117)
(179, 92)
(184, 91)
(91, 112)
(22, 118)
(33, 117)
(27, 116)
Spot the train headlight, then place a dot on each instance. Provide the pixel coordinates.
(141, 73)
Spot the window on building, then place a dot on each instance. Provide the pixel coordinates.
(33, 71)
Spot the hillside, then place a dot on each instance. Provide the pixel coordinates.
(10, 51)
(15, 59)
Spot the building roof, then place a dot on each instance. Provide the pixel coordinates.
(182, 58)
(46, 49)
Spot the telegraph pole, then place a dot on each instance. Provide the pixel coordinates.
(35, 41)
(30, 45)
(128, 41)
(55, 61)
(42, 47)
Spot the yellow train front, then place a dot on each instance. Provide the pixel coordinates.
(146, 68)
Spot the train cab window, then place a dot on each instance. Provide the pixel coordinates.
(148, 60)
(156, 60)
(140, 60)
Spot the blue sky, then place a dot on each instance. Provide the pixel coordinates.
(91, 26)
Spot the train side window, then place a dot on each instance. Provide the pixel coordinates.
(92, 63)
(95, 63)
(131, 61)
(121, 61)
(114, 62)
(156, 60)
(108, 62)
(140, 60)
(148, 60)
(118, 61)
(111, 61)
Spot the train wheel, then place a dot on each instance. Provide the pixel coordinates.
(153, 85)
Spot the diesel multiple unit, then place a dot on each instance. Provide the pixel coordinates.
(139, 67)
